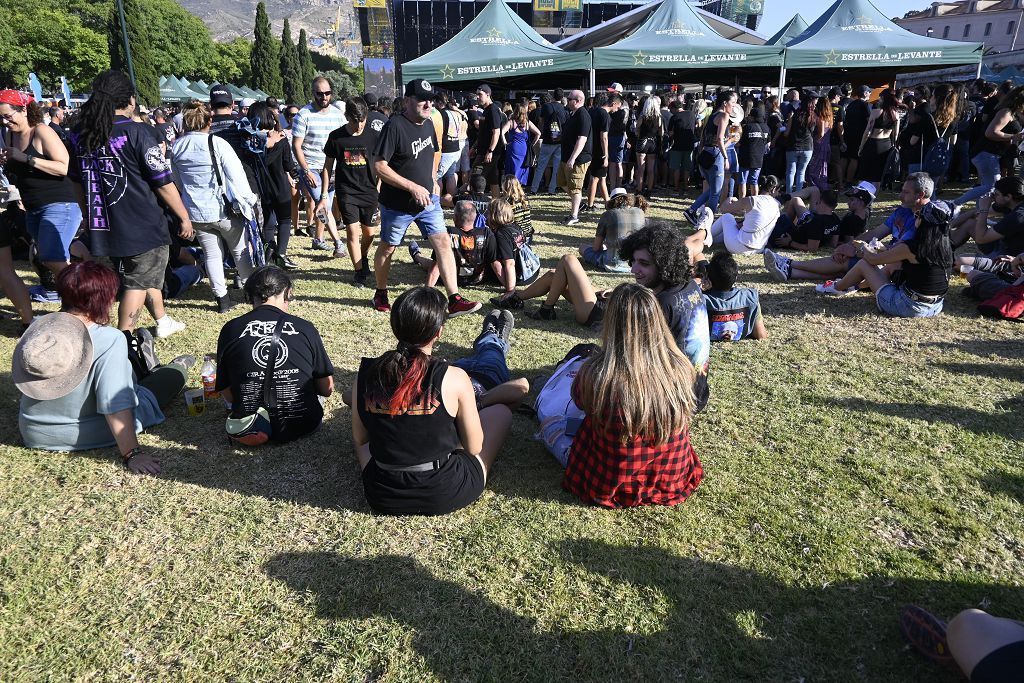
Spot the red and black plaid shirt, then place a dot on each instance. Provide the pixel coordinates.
(604, 472)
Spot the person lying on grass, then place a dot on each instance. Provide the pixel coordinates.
(808, 226)
(620, 219)
(899, 226)
(423, 446)
(659, 260)
(78, 388)
(734, 313)
(918, 288)
(303, 374)
(633, 447)
(986, 648)
(987, 277)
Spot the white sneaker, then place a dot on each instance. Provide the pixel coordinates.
(777, 265)
(167, 326)
(829, 287)
(705, 218)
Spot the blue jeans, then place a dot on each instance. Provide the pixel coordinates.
(796, 164)
(963, 150)
(393, 224)
(894, 301)
(486, 366)
(988, 175)
(716, 178)
(550, 155)
(52, 228)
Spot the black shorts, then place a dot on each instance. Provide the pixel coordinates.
(494, 170)
(598, 169)
(1004, 664)
(458, 483)
(364, 215)
(143, 271)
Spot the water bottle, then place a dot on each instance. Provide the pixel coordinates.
(209, 373)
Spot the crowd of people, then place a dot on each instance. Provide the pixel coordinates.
(120, 204)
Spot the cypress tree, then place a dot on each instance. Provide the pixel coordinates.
(266, 71)
(147, 81)
(306, 69)
(290, 67)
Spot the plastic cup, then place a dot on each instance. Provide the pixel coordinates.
(195, 401)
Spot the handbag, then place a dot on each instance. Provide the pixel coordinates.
(255, 429)
(706, 158)
(228, 205)
(527, 264)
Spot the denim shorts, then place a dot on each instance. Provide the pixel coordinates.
(449, 164)
(393, 224)
(892, 300)
(749, 176)
(616, 148)
(486, 366)
(314, 192)
(603, 260)
(52, 227)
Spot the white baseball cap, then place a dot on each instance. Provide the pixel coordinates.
(615, 87)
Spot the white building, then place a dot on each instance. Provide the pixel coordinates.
(996, 23)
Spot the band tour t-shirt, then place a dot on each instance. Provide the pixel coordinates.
(409, 150)
(353, 165)
(243, 351)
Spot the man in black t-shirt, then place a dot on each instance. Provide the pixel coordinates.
(490, 146)
(682, 131)
(577, 152)
(406, 160)
(855, 120)
(798, 228)
(552, 119)
(302, 372)
(839, 98)
(600, 117)
(1005, 237)
(351, 147)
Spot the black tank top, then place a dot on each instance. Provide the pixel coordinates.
(425, 432)
(709, 137)
(36, 187)
(927, 280)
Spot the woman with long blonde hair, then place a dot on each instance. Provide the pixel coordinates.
(520, 134)
(513, 192)
(633, 447)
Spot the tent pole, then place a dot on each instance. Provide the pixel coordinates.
(978, 73)
(782, 81)
(593, 82)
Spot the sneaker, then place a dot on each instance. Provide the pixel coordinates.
(542, 313)
(320, 244)
(167, 326)
(779, 267)
(414, 250)
(43, 295)
(509, 302)
(340, 251)
(186, 361)
(499, 323)
(147, 349)
(573, 220)
(829, 287)
(705, 217)
(380, 301)
(286, 263)
(690, 215)
(359, 278)
(460, 306)
(225, 304)
(926, 633)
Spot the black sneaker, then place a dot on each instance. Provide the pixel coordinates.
(543, 313)
(691, 216)
(359, 278)
(510, 302)
(499, 323)
(414, 250)
(225, 304)
(286, 263)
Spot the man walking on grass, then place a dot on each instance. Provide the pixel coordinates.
(406, 160)
(577, 151)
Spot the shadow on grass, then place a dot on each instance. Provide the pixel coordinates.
(993, 370)
(722, 623)
(1008, 423)
(1008, 349)
(1009, 484)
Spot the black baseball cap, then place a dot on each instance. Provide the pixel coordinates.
(370, 99)
(864, 90)
(219, 96)
(483, 87)
(420, 88)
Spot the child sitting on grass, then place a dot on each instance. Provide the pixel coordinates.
(734, 313)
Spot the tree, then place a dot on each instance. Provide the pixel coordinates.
(231, 62)
(290, 67)
(264, 62)
(179, 42)
(341, 84)
(306, 69)
(147, 83)
(80, 54)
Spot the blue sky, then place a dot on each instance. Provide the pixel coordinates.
(778, 12)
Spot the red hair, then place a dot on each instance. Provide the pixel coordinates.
(89, 288)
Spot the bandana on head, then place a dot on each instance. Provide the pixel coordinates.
(15, 98)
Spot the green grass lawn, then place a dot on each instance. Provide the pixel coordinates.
(853, 463)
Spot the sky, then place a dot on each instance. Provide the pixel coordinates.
(778, 12)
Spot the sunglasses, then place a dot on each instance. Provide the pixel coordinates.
(290, 114)
(325, 93)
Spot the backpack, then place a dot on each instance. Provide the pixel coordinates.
(141, 353)
(527, 264)
(559, 416)
(935, 161)
(1006, 305)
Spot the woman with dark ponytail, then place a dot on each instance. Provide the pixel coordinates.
(123, 182)
(423, 446)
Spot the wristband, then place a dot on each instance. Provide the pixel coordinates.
(127, 458)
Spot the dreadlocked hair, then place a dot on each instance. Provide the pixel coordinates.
(111, 90)
(416, 318)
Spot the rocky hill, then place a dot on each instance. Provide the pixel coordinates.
(229, 19)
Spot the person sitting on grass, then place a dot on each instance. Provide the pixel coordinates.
(471, 245)
(986, 648)
(619, 220)
(1006, 236)
(505, 241)
(633, 447)
(422, 445)
(899, 226)
(760, 213)
(303, 374)
(918, 288)
(987, 277)
(810, 226)
(734, 313)
(78, 388)
(513, 193)
(477, 194)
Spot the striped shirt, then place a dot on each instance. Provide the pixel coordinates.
(313, 128)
